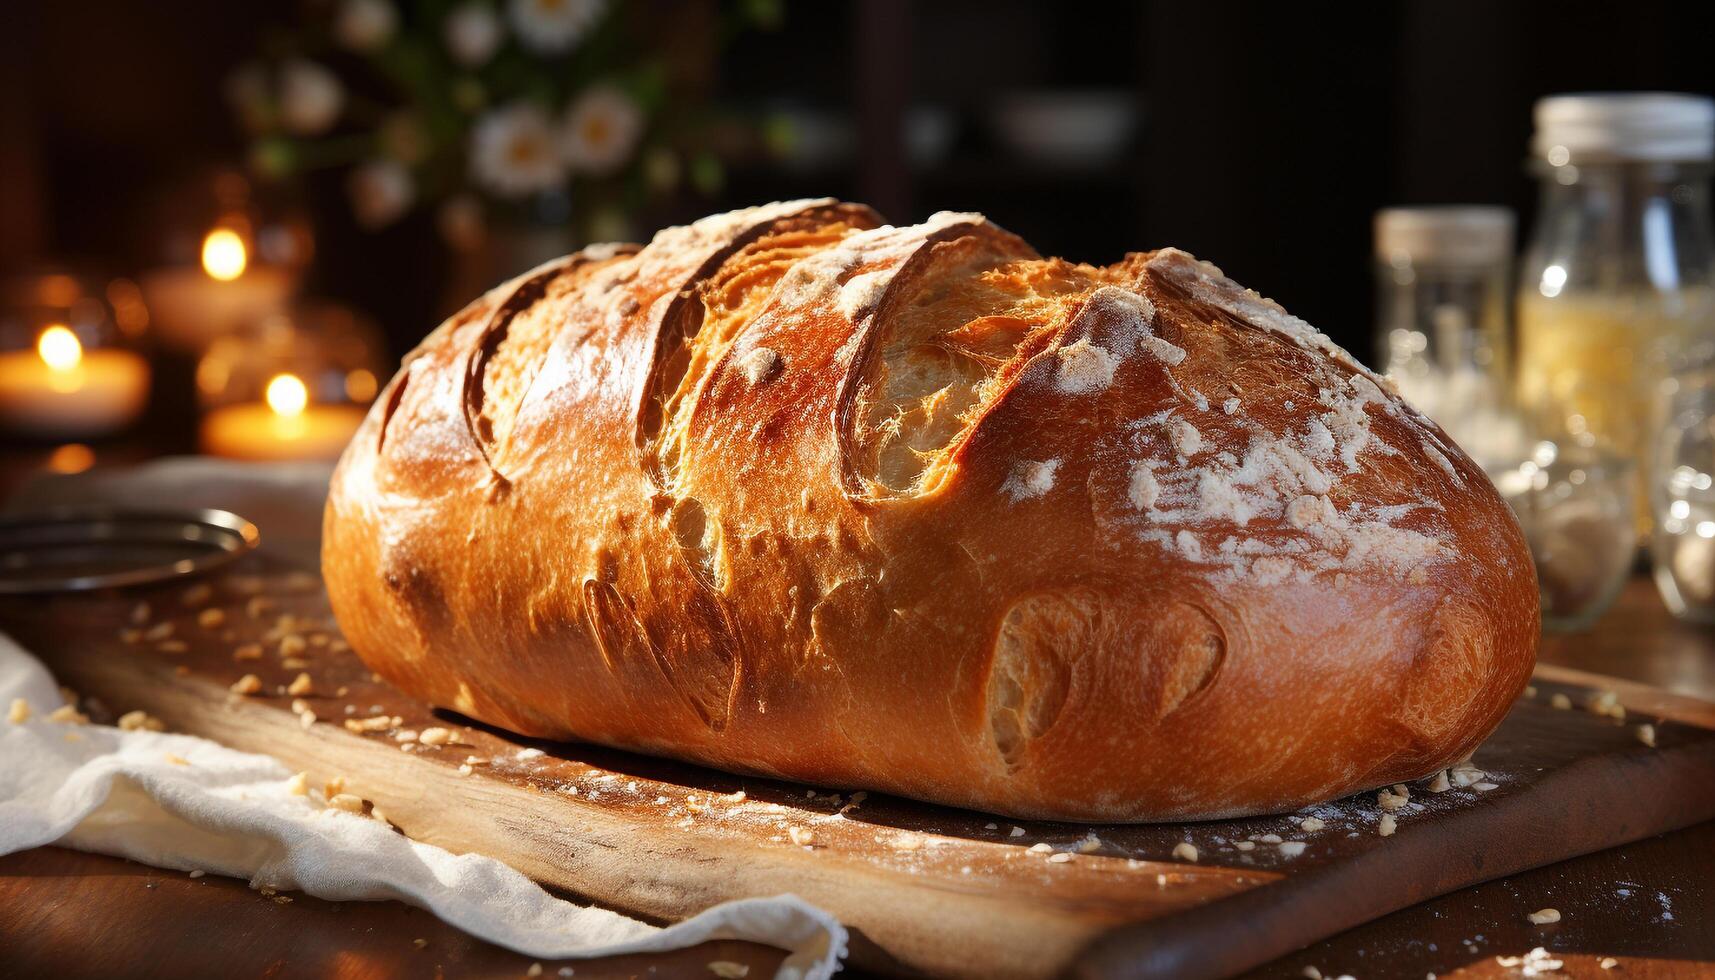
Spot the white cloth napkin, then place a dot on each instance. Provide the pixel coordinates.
(178, 801)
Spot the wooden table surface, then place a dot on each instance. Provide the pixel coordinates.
(1650, 905)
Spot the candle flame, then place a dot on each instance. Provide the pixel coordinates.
(58, 348)
(287, 396)
(223, 255)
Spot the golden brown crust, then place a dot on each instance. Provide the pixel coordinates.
(792, 492)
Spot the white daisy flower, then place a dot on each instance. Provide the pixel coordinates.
(460, 222)
(473, 34)
(553, 25)
(310, 97)
(364, 25)
(381, 191)
(600, 130)
(512, 151)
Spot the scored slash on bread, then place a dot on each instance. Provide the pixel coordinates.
(794, 492)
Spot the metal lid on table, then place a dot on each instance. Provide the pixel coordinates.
(84, 548)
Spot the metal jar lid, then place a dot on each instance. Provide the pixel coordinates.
(83, 548)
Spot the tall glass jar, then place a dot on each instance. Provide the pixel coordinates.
(1617, 276)
(1443, 286)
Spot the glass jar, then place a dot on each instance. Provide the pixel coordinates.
(1682, 485)
(1442, 290)
(1617, 275)
(1575, 507)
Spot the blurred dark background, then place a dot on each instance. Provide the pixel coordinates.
(1263, 135)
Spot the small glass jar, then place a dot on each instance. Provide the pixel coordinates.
(1619, 272)
(294, 385)
(1442, 289)
(69, 367)
(1575, 507)
(1682, 484)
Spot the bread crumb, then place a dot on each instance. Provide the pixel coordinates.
(171, 646)
(292, 644)
(306, 719)
(248, 684)
(249, 651)
(534, 971)
(159, 631)
(299, 784)
(1311, 824)
(1245, 845)
(1311, 973)
(1291, 848)
(1185, 851)
(1560, 701)
(140, 614)
(300, 685)
(1464, 774)
(1440, 784)
(1267, 838)
(197, 594)
(1230, 406)
(140, 721)
(1485, 787)
(210, 618)
(68, 714)
(420, 943)
(176, 760)
(1608, 963)
(1543, 917)
(346, 802)
(802, 836)
(1606, 704)
(20, 712)
(1530, 690)
(1646, 735)
(377, 723)
(1039, 848)
(1060, 858)
(438, 736)
(1387, 825)
(1089, 844)
(333, 787)
(728, 970)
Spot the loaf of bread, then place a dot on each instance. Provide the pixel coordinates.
(793, 492)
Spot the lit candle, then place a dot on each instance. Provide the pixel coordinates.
(285, 425)
(60, 390)
(193, 305)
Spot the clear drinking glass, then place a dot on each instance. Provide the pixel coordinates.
(1575, 505)
(1682, 498)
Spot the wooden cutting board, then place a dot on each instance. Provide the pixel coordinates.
(925, 889)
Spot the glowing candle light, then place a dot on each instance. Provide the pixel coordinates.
(59, 389)
(223, 255)
(285, 424)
